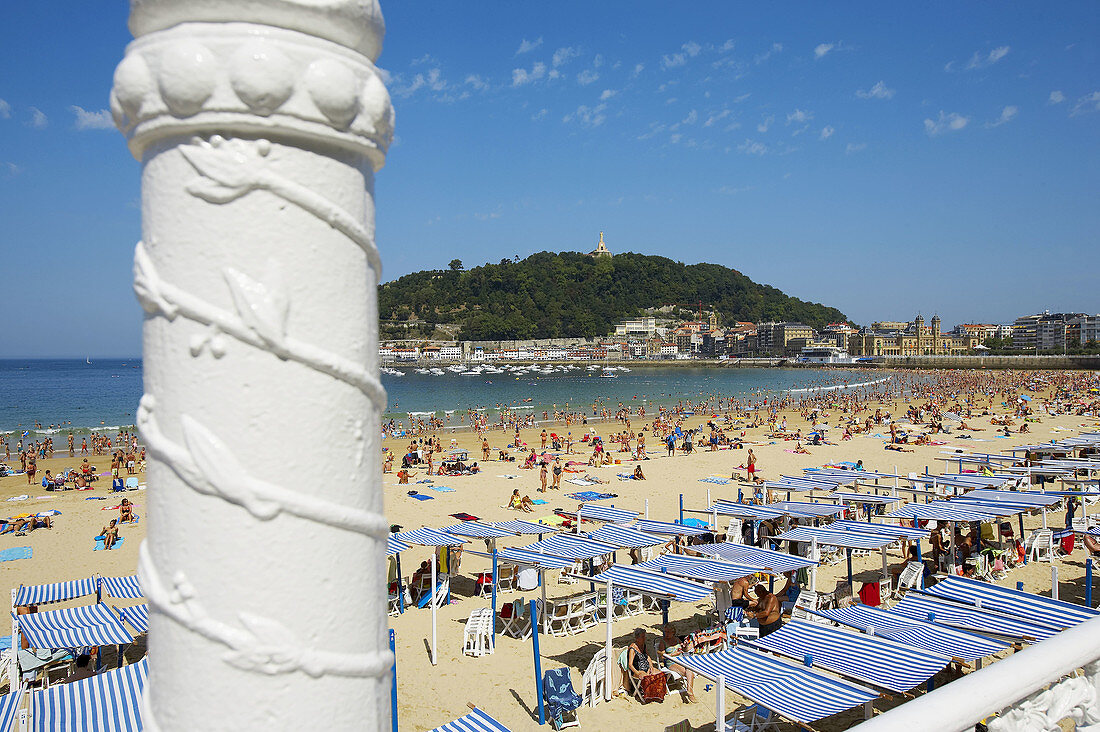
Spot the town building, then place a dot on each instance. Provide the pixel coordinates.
(915, 339)
(1044, 331)
(782, 339)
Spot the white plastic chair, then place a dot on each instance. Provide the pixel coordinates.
(909, 578)
(592, 682)
(753, 718)
(478, 636)
(1040, 546)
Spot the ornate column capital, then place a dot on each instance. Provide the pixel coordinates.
(272, 68)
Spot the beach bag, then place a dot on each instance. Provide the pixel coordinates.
(654, 688)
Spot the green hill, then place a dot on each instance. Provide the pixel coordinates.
(562, 295)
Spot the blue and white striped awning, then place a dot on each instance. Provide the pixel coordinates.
(395, 546)
(802, 509)
(996, 508)
(137, 616)
(475, 721)
(624, 537)
(667, 529)
(9, 708)
(755, 556)
(534, 559)
(967, 617)
(845, 539)
(867, 527)
(792, 691)
(940, 511)
(518, 526)
(429, 537)
(72, 627)
(478, 530)
(700, 568)
(106, 702)
(875, 660)
(1023, 604)
(596, 512)
(654, 583)
(1035, 499)
(123, 588)
(55, 592)
(571, 546)
(937, 639)
(743, 510)
(862, 498)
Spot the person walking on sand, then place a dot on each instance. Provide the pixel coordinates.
(557, 473)
(750, 464)
(542, 476)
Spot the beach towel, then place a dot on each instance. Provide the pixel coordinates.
(694, 522)
(715, 479)
(461, 516)
(96, 498)
(589, 496)
(426, 480)
(552, 521)
(99, 543)
(580, 481)
(539, 502)
(440, 488)
(13, 553)
(509, 477)
(626, 476)
(19, 498)
(420, 496)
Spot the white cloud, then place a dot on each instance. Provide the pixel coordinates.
(564, 55)
(425, 60)
(1087, 103)
(541, 114)
(763, 126)
(433, 80)
(87, 120)
(5, 110)
(854, 147)
(762, 57)
(743, 97)
(982, 61)
(675, 138)
(494, 214)
(734, 190)
(1007, 115)
(588, 116)
(638, 68)
(800, 116)
(588, 76)
(716, 117)
(12, 169)
(477, 82)
(38, 118)
(527, 46)
(1056, 97)
(726, 47)
(671, 61)
(827, 132)
(523, 76)
(821, 49)
(553, 74)
(691, 48)
(945, 123)
(691, 118)
(607, 94)
(597, 62)
(752, 147)
(878, 91)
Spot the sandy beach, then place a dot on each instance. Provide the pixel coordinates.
(503, 684)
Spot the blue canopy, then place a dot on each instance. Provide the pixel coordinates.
(596, 512)
(1023, 604)
(395, 546)
(9, 708)
(624, 537)
(892, 530)
(654, 583)
(802, 509)
(920, 634)
(137, 616)
(967, 617)
(429, 537)
(862, 498)
(667, 529)
(1036, 499)
(73, 627)
(475, 721)
(55, 592)
(571, 546)
(775, 562)
(940, 511)
(876, 660)
(518, 526)
(845, 539)
(478, 530)
(743, 510)
(123, 588)
(795, 692)
(699, 568)
(106, 702)
(535, 559)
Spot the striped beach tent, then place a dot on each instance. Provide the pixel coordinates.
(866, 527)
(478, 530)
(940, 511)
(666, 528)
(123, 588)
(55, 592)
(596, 512)
(137, 616)
(1022, 604)
(968, 617)
(9, 708)
(654, 583)
(1034, 499)
(519, 526)
(571, 546)
(475, 721)
(792, 691)
(624, 537)
(535, 559)
(699, 568)
(395, 546)
(106, 702)
(845, 539)
(743, 510)
(755, 556)
(938, 639)
(72, 627)
(428, 537)
(874, 660)
(862, 498)
(807, 510)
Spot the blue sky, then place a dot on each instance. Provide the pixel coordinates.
(935, 157)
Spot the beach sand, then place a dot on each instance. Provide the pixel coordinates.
(503, 684)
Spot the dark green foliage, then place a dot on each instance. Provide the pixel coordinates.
(552, 295)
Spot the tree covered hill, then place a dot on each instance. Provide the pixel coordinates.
(550, 295)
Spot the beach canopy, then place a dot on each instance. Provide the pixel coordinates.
(941, 511)
(795, 692)
(1035, 499)
(478, 530)
(429, 537)
(744, 510)
(875, 660)
(807, 510)
(995, 508)
(106, 702)
(518, 526)
(654, 583)
(73, 627)
(862, 498)
(534, 559)
(395, 546)
(919, 634)
(55, 592)
(137, 616)
(968, 617)
(571, 546)
(123, 588)
(595, 512)
(624, 537)
(475, 721)
(1003, 599)
(9, 708)
(667, 529)
(844, 539)
(866, 527)
(775, 562)
(699, 568)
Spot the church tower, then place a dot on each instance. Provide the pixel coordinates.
(601, 249)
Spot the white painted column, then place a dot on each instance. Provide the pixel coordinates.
(259, 126)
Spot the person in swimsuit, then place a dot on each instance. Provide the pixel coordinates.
(125, 511)
(673, 645)
(768, 612)
(109, 534)
(520, 504)
(557, 473)
(638, 663)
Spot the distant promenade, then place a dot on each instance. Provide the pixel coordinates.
(1081, 362)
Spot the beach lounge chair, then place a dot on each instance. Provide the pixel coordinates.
(754, 718)
(1040, 546)
(439, 597)
(807, 600)
(477, 639)
(594, 678)
(507, 577)
(132, 484)
(741, 626)
(561, 700)
(515, 620)
(909, 578)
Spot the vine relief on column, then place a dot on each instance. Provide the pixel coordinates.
(261, 645)
(1076, 697)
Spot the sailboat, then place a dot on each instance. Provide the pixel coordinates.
(87, 360)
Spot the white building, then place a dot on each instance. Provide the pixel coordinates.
(450, 353)
(637, 328)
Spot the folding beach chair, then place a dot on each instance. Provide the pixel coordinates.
(561, 700)
(740, 626)
(1040, 546)
(515, 620)
(507, 577)
(439, 597)
(909, 578)
(754, 718)
(477, 638)
(594, 678)
(807, 600)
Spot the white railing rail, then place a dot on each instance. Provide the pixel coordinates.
(1015, 689)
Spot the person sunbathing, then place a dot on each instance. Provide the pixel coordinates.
(520, 504)
(125, 511)
(799, 449)
(109, 533)
(638, 474)
(897, 448)
(768, 611)
(673, 645)
(638, 663)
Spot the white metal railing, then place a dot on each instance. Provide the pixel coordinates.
(1027, 691)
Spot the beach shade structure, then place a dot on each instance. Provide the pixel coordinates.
(874, 660)
(55, 592)
(519, 526)
(795, 692)
(867, 527)
(475, 721)
(571, 546)
(122, 588)
(137, 616)
(934, 638)
(432, 538)
(73, 627)
(9, 708)
(765, 559)
(477, 530)
(844, 497)
(1003, 599)
(655, 583)
(845, 539)
(800, 509)
(743, 510)
(596, 512)
(666, 528)
(1038, 500)
(968, 617)
(624, 537)
(940, 511)
(539, 560)
(106, 702)
(395, 546)
(995, 509)
(703, 569)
